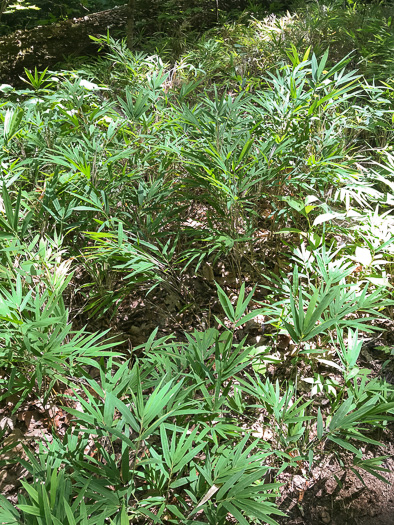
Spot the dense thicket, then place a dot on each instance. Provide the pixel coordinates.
(196, 272)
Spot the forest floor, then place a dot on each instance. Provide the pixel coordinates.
(345, 501)
(327, 495)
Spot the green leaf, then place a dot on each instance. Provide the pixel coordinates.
(340, 414)
(319, 424)
(126, 413)
(164, 445)
(31, 491)
(12, 120)
(8, 512)
(29, 509)
(235, 512)
(345, 444)
(124, 519)
(189, 456)
(308, 209)
(226, 304)
(69, 513)
(249, 316)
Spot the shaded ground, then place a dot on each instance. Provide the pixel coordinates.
(344, 502)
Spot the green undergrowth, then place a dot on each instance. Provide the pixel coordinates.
(135, 177)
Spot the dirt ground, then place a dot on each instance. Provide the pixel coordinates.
(345, 501)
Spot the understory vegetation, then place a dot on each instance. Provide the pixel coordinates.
(194, 254)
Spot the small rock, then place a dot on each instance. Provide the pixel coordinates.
(299, 482)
